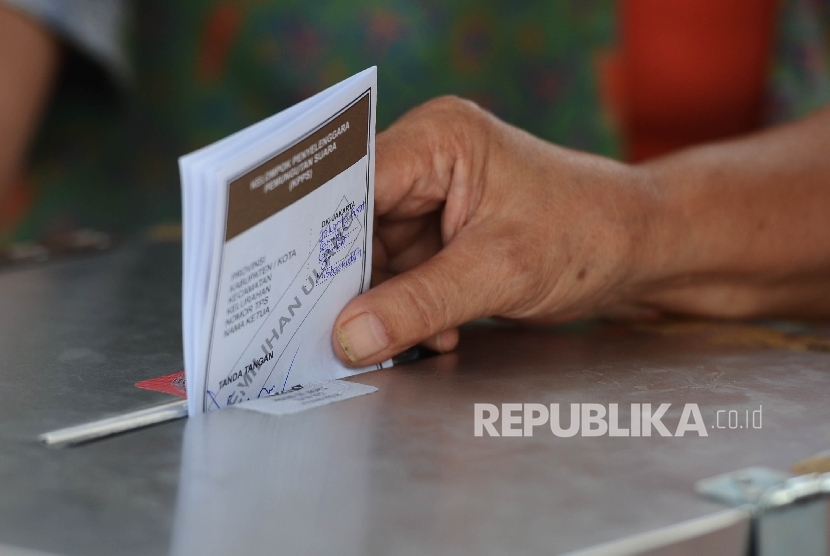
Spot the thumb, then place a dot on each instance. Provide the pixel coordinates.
(447, 290)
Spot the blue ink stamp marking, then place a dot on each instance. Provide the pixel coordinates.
(335, 233)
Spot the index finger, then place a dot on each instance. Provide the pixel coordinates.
(418, 158)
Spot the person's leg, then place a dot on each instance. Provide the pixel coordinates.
(29, 59)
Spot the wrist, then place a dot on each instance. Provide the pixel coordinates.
(652, 231)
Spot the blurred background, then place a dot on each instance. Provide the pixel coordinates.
(138, 84)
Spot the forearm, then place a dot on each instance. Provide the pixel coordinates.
(29, 56)
(742, 228)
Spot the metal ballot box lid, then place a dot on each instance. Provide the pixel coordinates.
(400, 471)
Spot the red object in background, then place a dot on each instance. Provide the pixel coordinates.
(221, 29)
(169, 384)
(14, 204)
(688, 71)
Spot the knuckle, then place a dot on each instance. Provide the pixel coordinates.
(449, 102)
(451, 107)
(462, 124)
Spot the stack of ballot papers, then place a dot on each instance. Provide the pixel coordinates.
(277, 223)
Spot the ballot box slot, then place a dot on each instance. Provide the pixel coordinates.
(154, 415)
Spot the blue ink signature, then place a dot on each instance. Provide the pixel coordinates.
(213, 399)
(268, 391)
(333, 271)
(290, 367)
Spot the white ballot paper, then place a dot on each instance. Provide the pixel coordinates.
(307, 396)
(277, 222)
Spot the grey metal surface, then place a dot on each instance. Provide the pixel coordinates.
(395, 472)
(75, 335)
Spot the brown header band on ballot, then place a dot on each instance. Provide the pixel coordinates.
(294, 173)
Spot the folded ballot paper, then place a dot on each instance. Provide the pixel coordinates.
(277, 223)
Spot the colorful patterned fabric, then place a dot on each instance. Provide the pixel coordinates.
(800, 75)
(204, 69)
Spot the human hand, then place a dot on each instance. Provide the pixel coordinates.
(476, 218)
